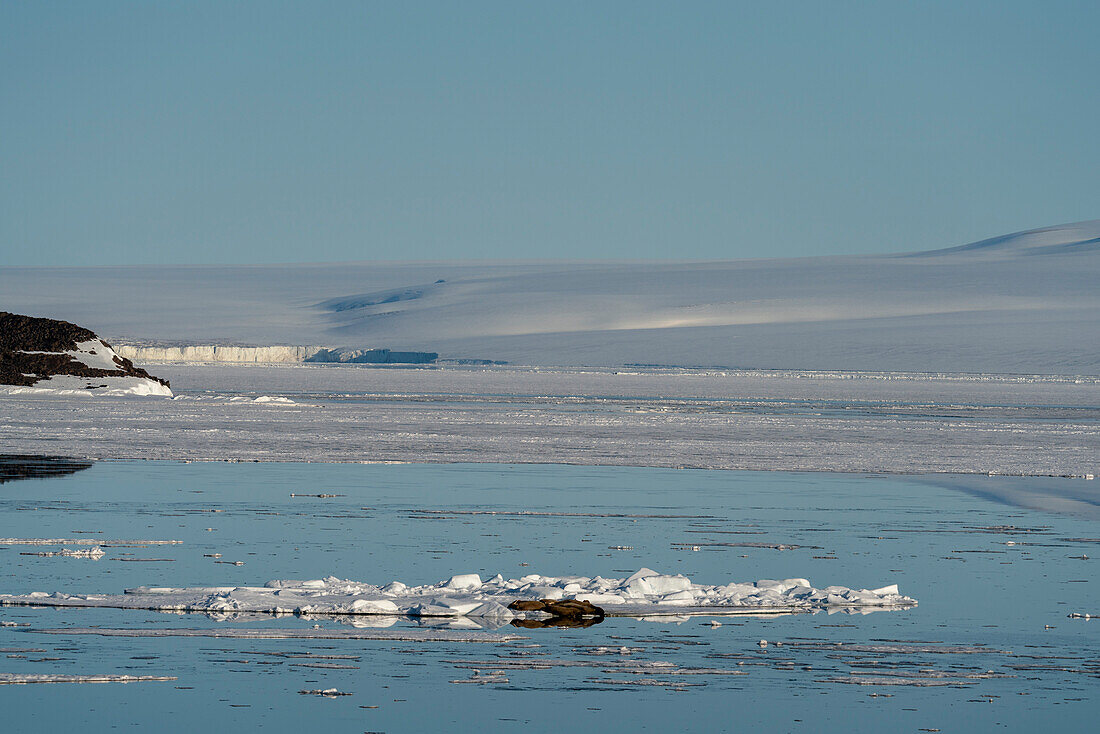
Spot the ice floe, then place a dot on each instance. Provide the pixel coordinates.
(23, 679)
(326, 692)
(644, 593)
(94, 553)
(85, 541)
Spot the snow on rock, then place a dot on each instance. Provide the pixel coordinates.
(46, 356)
(68, 386)
(645, 593)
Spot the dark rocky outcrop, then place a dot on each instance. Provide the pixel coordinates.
(563, 613)
(33, 349)
(28, 333)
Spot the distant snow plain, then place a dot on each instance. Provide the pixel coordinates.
(1022, 303)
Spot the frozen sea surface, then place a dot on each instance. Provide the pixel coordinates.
(991, 646)
(723, 419)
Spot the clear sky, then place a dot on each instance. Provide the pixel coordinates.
(215, 132)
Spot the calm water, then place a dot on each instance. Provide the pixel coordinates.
(989, 579)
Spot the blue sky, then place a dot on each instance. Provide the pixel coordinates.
(216, 132)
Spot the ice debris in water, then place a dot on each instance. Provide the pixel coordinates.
(646, 592)
(25, 678)
(94, 553)
(84, 541)
(326, 692)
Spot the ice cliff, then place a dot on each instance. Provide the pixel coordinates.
(272, 354)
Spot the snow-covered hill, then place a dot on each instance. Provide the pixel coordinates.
(47, 355)
(1027, 302)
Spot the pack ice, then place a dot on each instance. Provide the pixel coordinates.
(645, 593)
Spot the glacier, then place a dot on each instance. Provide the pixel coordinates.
(1020, 303)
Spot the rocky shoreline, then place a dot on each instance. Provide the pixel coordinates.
(36, 349)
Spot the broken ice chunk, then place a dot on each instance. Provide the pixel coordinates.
(465, 581)
(678, 597)
(667, 584)
(373, 606)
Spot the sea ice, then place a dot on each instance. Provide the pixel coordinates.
(84, 541)
(645, 593)
(706, 419)
(94, 553)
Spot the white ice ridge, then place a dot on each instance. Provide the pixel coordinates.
(645, 593)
